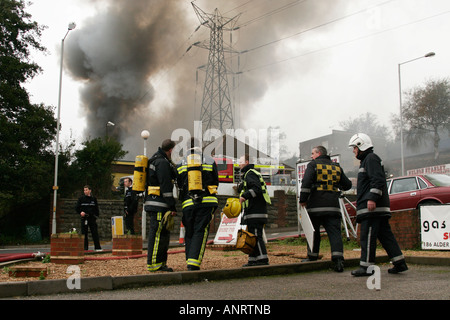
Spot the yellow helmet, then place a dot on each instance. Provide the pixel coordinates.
(232, 208)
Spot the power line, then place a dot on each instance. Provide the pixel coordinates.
(346, 42)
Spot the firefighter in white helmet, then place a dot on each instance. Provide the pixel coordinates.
(373, 208)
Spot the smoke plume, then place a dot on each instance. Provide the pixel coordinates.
(135, 71)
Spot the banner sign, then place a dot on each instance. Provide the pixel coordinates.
(228, 229)
(435, 227)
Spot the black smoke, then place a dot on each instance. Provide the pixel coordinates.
(131, 60)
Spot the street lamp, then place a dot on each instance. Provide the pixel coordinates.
(71, 26)
(144, 135)
(109, 124)
(429, 54)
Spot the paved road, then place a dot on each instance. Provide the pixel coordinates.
(421, 282)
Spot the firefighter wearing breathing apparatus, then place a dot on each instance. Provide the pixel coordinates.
(320, 191)
(198, 180)
(160, 204)
(254, 199)
(373, 208)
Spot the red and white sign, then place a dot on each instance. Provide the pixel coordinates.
(435, 228)
(228, 229)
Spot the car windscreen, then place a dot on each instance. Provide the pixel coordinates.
(439, 180)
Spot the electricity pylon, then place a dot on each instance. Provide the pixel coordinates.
(216, 110)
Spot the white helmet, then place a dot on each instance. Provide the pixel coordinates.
(360, 140)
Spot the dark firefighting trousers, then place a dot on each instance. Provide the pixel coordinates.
(158, 242)
(196, 220)
(259, 254)
(332, 225)
(374, 228)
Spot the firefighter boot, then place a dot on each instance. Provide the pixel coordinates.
(398, 267)
(361, 272)
(338, 264)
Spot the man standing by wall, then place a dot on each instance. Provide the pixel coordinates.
(130, 204)
(87, 208)
(320, 191)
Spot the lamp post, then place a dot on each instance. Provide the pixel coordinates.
(429, 54)
(71, 26)
(144, 135)
(109, 124)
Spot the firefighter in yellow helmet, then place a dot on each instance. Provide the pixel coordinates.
(198, 180)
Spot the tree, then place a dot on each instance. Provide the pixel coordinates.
(367, 123)
(426, 113)
(26, 130)
(93, 165)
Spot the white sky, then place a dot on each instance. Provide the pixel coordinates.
(339, 71)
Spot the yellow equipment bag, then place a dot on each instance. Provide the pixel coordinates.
(246, 241)
(140, 173)
(232, 208)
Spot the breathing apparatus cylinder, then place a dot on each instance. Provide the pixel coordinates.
(195, 184)
(140, 173)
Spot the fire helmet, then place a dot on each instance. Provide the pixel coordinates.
(232, 208)
(360, 140)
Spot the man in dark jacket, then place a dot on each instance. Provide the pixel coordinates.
(254, 199)
(87, 208)
(320, 190)
(159, 202)
(198, 180)
(130, 204)
(373, 208)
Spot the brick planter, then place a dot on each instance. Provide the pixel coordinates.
(127, 245)
(24, 271)
(66, 248)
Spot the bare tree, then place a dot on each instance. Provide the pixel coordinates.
(426, 113)
(367, 123)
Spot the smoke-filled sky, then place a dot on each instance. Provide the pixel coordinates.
(304, 66)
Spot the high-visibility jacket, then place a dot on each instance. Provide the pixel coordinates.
(210, 182)
(254, 190)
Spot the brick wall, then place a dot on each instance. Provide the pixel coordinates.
(405, 226)
(282, 213)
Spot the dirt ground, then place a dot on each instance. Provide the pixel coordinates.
(105, 264)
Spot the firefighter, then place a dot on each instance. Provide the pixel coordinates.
(373, 208)
(254, 199)
(319, 193)
(159, 202)
(198, 181)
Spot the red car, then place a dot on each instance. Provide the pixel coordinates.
(410, 192)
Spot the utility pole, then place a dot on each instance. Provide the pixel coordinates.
(216, 110)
